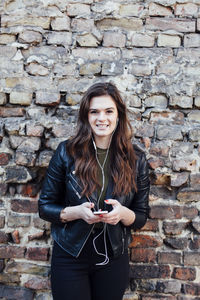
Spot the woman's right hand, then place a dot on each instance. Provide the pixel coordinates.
(83, 211)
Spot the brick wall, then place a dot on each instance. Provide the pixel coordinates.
(50, 53)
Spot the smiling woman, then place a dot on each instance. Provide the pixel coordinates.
(95, 191)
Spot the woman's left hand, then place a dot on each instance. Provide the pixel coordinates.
(119, 213)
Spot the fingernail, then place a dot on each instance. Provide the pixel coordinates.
(106, 200)
(101, 216)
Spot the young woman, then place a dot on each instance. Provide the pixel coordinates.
(95, 191)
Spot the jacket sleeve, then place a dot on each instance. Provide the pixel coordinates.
(140, 202)
(51, 200)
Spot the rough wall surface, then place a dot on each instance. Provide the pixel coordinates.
(51, 51)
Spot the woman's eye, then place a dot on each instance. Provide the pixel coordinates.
(109, 111)
(93, 112)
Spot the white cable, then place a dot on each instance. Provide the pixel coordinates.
(106, 261)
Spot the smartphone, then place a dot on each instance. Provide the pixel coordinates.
(100, 212)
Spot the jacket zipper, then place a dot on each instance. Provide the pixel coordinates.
(123, 239)
(76, 192)
(85, 241)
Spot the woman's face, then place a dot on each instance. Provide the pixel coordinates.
(102, 117)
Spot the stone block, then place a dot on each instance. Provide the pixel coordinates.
(124, 23)
(61, 130)
(37, 69)
(41, 224)
(13, 292)
(195, 242)
(194, 135)
(189, 212)
(112, 68)
(193, 289)
(30, 37)
(6, 39)
(21, 98)
(26, 268)
(156, 101)
(61, 23)
(191, 40)
(174, 258)
(4, 158)
(167, 287)
(186, 9)
(169, 133)
(142, 40)
(197, 101)
(82, 25)
(166, 40)
(160, 149)
(168, 69)
(24, 206)
(179, 179)
(181, 101)
(140, 69)
(25, 144)
(198, 24)
(189, 195)
(87, 40)
(37, 253)
(59, 38)
(174, 228)
(47, 99)
(195, 180)
(4, 238)
(7, 112)
(3, 99)
(2, 221)
(78, 9)
(15, 20)
(29, 189)
(159, 10)
(44, 158)
(34, 130)
(97, 54)
(114, 39)
(133, 100)
(144, 130)
(131, 10)
(90, 68)
(166, 117)
(185, 25)
(69, 69)
(184, 164)
(25, 158)
(3, 189)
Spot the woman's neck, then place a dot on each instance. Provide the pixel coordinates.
(102, 142)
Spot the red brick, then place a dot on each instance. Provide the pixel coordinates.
(6, 112)
(184, 273)
(28, 190)
(24, 206)
(165, 212)
(15, 236)
(189, 212)
(169, 258)
(192, 289)
(4, 159)
(145, 241)
(12, 252)
(37, 253)
(38, 283)
(143, 255)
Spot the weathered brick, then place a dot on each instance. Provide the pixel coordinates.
(186, 9)
(145, 241)
(34, 130)
(179, 179)
(112, 68)
(3, 99)
(167, 287)
(82, 24)
(6, 39)
(189, 195)
(149, 271)
(155, 163)
(4, 238)
(37, 236)
(47, 99)
(181, 101)
(37, 283)
(176, 243)
(24, 206)
(90, 68)
(131, 10)
(165, 212)
(16, 220)
(12, 252)
(191, 289)
(37, 253)
(189, 212)
(37, 69)
(25, 158)
(174, 228)
(184, 25)
(27, 268)
(143, 255)
(166, 117)
(17, 174)
(29, 189)
(166, 40)
(41, 224)
(169, 133)
(4, 159)
(13, 292)
(97, 54)
(7, 112)
(191, 258)
(192, 40)
(183, 273)
(159, 10)
(15, 237)
(159, 149)
(59, 38)
(9, 278)
(114, 39)
(169, 258)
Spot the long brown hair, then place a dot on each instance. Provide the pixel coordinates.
(122, 156)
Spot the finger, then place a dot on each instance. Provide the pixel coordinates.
(88, 204)
(111, 201)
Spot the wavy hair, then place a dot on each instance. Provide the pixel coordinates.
(122, 155)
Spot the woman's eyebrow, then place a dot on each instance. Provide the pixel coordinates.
(100, 108)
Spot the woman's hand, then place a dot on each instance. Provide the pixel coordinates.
(83, 211)
(119, 213)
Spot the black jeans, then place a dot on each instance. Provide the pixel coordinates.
(80, 278)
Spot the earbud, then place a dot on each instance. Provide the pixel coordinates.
(95, 147)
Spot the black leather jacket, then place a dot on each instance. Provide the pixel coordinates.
(61, 188)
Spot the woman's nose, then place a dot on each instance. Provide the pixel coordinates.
(102, 116)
